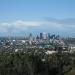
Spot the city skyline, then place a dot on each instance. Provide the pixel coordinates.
(19, 17)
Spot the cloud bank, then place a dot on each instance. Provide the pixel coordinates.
(46, 25)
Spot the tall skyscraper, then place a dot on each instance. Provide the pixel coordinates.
(48, 37)
(37, 37)
(44, 35)
(41, 35)
(30, 37)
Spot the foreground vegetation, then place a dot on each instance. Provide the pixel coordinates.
(36, 64)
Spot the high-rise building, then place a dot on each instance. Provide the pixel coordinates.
(45, 35)
(53, 36)
(30, 36)
(37, 37)
(41, 35)
(48, 36)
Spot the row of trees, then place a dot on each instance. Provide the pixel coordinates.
(29, 64)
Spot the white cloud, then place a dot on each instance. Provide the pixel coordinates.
(18, 25)
(52, 25)
(26, 23)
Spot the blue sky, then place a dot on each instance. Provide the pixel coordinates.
(24, 16)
